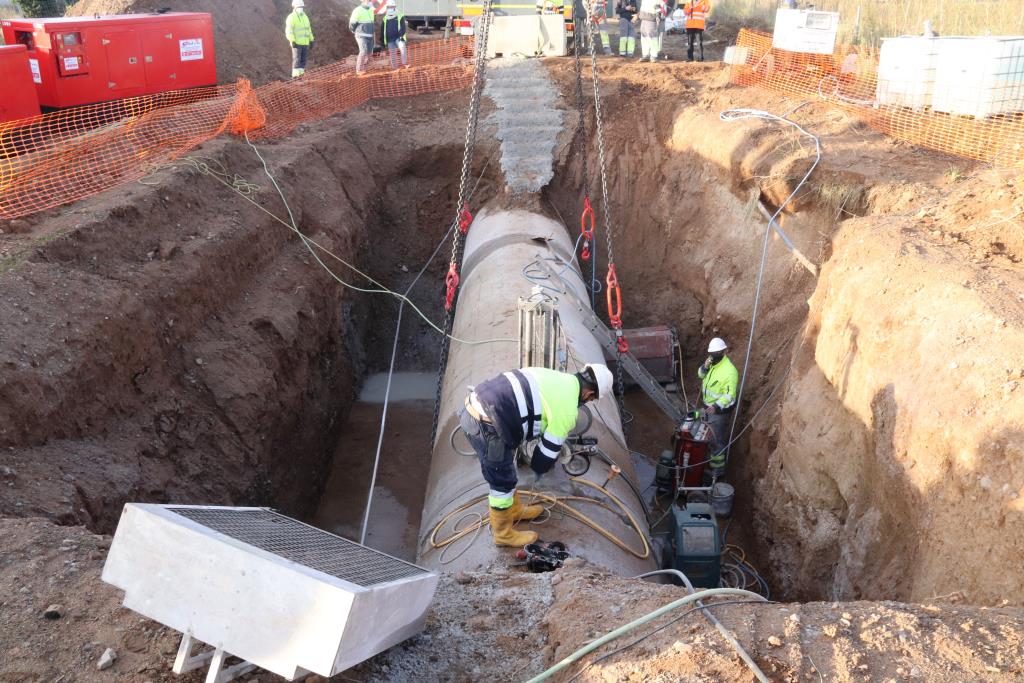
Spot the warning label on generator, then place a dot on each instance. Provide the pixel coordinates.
(33, 64)
(191, 49)
(71, 63)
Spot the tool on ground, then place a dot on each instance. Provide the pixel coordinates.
(543, 557)
(613, 472)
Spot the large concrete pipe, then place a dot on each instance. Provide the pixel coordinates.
(499, 245)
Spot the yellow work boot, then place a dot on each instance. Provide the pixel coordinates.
(504, 534)
(522, 513)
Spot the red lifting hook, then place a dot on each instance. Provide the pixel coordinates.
(452, 281)
(465, 219)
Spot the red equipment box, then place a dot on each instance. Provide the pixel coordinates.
(18, 99)
(690, 445)
(656, 348)
(81, 60)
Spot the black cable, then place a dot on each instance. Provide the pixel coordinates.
(661, 628)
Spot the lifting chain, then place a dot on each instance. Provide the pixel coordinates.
(613, 291)
(463, 218)
(588, 250)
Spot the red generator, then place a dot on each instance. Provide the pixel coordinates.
(18, 98)
(81, 60)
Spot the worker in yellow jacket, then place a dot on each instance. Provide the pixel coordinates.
(299, 33)
(718, 387)
(513, 408)
(696, 13)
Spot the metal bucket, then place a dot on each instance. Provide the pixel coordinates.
(721, 498)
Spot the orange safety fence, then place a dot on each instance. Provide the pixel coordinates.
(57, 158)
(918, 94)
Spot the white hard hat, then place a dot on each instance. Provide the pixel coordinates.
(296, 4)
(605, 380)
(391, 3)
(717, 344)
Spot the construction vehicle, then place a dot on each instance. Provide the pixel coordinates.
(83, 60)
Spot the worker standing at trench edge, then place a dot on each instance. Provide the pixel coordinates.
(361, 23)
(392, 34)
(696, 13)
(513, 408)
(719, 380)
(299, 33)
(626, 11)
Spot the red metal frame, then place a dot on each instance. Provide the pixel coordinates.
(81, 60)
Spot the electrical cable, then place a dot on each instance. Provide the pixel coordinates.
(612, 635)
(561, 504)
(735, 115)
(675, 620)
(309, 242)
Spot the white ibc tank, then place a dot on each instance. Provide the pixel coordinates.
(906, 71)
(979, 76)
(799, 30)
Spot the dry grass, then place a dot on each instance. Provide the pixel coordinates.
(884, 18)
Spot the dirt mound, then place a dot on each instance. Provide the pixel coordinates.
(249, 35)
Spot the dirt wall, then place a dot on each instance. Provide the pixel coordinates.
(898, 469)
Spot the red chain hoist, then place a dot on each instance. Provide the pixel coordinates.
(614, 296)
(586, 228)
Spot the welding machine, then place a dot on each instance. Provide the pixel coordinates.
(695, 548)
(683, 466)
(81, 60)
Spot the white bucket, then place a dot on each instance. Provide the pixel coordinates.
(721, 498)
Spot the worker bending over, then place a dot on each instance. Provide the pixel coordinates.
(361, 23)
(696, 12)
(515, 407)
(300, 36)
(719, 380)
(392, 34)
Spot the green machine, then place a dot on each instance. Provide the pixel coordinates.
(696, 546)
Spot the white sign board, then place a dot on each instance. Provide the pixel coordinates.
(798, 30)
(33, 64)
(71, 63)
(191, 49)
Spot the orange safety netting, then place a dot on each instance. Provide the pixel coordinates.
(60, 157)
(913, 97)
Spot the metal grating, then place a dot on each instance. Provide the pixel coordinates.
(303, 544)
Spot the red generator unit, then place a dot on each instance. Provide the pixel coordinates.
(18, 98)
(82, 60)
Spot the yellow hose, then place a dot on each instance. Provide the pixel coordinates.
(562, 504)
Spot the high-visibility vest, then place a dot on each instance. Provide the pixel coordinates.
(599, 11)
(297, 29)
(718, 384)
(697, 13)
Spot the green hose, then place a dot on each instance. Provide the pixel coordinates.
(612, 635)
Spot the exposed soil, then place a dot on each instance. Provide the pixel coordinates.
(249, 35)
(169, 342)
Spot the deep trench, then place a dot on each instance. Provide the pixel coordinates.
(315, 461)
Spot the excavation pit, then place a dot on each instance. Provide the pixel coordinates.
(211, 359)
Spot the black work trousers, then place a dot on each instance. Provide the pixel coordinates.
(693, 34)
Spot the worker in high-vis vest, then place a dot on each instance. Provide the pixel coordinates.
(299, 33)
(362, 23)
(719, 381)
(392, 34)
(599, 15)
(513, 408)
(626, 11)
(696, 13)
(651, 14)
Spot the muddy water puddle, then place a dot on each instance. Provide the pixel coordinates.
(404, 465)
